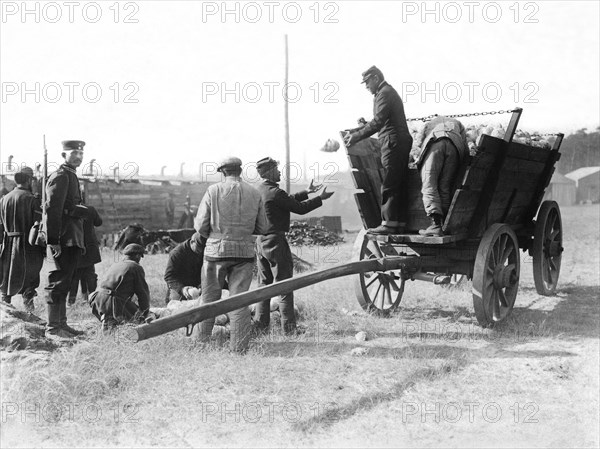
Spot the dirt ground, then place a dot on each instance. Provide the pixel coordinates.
(429, 376)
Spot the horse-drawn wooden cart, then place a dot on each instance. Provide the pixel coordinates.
(491, 217)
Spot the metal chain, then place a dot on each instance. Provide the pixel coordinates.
(469, 114)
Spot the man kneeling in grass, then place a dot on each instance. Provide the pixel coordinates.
(112, 302)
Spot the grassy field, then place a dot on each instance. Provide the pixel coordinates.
(428, 376)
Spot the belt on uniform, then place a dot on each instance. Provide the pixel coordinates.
(14, 234)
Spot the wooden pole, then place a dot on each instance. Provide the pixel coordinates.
(213, 309)
(287, 120)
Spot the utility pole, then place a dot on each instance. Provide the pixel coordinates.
(287, 120)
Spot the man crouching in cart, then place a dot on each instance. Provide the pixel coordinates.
(441, 153)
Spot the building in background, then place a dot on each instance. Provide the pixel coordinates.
(587, 180)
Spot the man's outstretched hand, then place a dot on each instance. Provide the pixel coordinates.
(312, 188)
(325, 194)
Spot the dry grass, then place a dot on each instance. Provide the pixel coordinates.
(310, 391)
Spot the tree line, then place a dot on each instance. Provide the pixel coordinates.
(580, 149)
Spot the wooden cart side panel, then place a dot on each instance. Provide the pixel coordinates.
(368, 209)
(517, 187)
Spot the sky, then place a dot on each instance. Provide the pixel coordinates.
(153, 84)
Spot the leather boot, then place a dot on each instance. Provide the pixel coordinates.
(435, 228)
(53, 328)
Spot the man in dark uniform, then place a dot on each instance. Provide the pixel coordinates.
(274, 255)
(64, 233)
(112, 302)
(20, 262)
(86, 270)
(396, 142)
(184, 270)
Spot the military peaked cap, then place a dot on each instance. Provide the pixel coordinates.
(266, 163)
(370, 72)
(69, 145)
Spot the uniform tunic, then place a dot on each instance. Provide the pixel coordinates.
(274, 255)
(112, 300)
(395, 140)
(20, 262)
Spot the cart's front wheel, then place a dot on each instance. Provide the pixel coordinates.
(376, 292)
(496, 275)
(547, 248)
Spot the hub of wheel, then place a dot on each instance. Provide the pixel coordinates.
(505, 276)
(554, 249)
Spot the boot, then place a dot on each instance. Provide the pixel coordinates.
(63, 320)
(435, 228)
(53, 328)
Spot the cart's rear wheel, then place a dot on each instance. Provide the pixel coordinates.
(496, 275)
(376, 292)
(547, 248)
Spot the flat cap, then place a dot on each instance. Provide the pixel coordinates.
(370, 72)
(69, 145)
(133, 248)
(266, 163)
(229, 161)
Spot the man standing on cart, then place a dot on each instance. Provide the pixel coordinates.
(396, 142)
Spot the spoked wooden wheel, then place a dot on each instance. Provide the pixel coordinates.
(377, 292)
(496, 275)
(547, 248)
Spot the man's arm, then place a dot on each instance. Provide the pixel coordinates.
(381, 113)
(288, 202)
(142, 291)
(202, 220)
(261, 225)
(56, 194)
(171, 272)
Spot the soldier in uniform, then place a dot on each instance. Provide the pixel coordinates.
(443, 149)
(86, 270)
(274, 255)
(395, 140)
(64, 233)
(112, 302)
(20, 262)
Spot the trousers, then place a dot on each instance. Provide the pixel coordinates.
(238, 274)
(438, 173)
(275, 264)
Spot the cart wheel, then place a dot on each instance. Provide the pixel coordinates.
(496, 275)
(547, 248)
(376, 291)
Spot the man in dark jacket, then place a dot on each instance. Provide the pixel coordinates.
(86, 270)
(64, 232)
(20, 262)
(443, 149)
(184, 270)
(274, 255)
(395, 140)
(112, 302)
